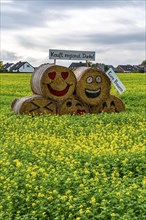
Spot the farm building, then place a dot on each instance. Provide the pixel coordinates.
(7, 66)
(112, 67)
(125, 68)
(22, 67)
(75, 65)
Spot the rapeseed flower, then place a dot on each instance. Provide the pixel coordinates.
(74, 167)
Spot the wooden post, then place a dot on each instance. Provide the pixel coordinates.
(87, 63)
(54, 61)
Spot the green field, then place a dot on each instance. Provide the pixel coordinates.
(73, 167)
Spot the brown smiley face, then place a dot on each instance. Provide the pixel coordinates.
(112, 104)
(34, 105)
(58, 83)
(93, 86)
(73, 106)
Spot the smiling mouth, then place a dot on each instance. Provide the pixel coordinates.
(58, 93)
(92, 93)
(80, 112)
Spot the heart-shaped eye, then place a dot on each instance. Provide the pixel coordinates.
(52, 75)
(64, 75)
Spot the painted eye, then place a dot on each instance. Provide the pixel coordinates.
(104, 105)
(98, 79)
(89, 79)
(69, 104)
(64, 75)
(79, 104)
(52, 75)
(112, 103)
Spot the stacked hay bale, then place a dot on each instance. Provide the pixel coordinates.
(111, 104)
(34, 105)
(58, 90)
(53, 81)
(73, 105)
(93, 88)
(51, 85)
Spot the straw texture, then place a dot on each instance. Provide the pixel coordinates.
(58, 90)
(73, 106)
(112, 104)
(92, 85)
(53, 81)
(34, 105)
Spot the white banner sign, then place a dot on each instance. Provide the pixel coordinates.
(116, 81)
(71, 55)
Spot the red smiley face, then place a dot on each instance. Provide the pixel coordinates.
(56, 78)
(53, 81)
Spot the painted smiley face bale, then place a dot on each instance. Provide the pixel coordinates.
(92, 85)
(53, 81)
(34, 105)
(111, 105)
(95, 109)
(73, 106)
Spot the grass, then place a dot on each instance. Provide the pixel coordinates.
(73, 167)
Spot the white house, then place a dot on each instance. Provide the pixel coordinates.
(22, 67)
(8, 66)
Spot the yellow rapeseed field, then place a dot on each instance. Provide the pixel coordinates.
(91, 166)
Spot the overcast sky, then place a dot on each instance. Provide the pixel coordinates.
(115, 30)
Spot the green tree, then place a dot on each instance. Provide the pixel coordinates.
(1, 63)
(143, 63)
(1, 66)
(106, 68)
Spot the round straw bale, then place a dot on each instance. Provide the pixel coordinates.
(110, 105)
(95, 109)
(34, 105)
(73, 106)
(53, 81)
(92, 85)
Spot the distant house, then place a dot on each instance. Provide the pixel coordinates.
(100, 66)
(136, 67)
(6, 67)
(22, 67)
(140, 68)
(75, 65)
(144, 68)
(125, 68)
(112, 67)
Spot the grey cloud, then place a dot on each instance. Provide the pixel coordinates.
(125, 21)
(22, 14)
(35, 42)
(79, 3)
(8, 55)
(34, 13)
(108, 39)
(30, 42)
(19, 20)
(131, 41)
(27, 18)
(117, 38)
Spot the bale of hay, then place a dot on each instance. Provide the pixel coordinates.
(112, 104)
(95, 109)
(92, 85)
(34, 105)
(53, 81)
(73, 106)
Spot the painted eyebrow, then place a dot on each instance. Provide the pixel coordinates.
(69, 100)
(78, 104)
